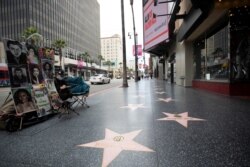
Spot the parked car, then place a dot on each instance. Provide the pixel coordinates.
(99, 78)
(118, 77)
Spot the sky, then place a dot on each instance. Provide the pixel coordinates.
(110, 15)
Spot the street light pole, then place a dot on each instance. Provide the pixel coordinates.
(125, 81)
(135, 42)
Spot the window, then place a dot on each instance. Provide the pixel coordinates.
(212, 56)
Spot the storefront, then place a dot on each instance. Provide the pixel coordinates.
(206, 45)
(222, 55)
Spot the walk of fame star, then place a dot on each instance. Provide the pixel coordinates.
(166, 100)
(134, 106)
(139, 96)
(114, 143)
(160, 93)
(180, 118)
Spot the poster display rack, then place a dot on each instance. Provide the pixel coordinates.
(31, 73)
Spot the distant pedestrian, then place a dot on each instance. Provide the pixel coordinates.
(151, 75)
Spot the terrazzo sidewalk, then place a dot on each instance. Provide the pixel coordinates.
(149, 124)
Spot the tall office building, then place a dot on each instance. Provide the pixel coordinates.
(111, 50)
(75, 21)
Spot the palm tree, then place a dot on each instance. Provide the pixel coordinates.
(91, 61)
(60, 43)
(108, 63)
(31, 33)
(86, 57)
(100, 58)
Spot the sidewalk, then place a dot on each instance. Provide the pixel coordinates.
(149, 124)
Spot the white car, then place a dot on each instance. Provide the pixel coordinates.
(99, 78)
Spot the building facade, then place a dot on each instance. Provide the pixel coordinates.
(207, 47)
(111, 50)
(76, 21)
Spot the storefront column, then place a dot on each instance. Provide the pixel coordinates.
(184, 64)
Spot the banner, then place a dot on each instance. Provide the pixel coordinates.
(139, 50)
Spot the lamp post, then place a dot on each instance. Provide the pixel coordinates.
(135, 42)
(125, 81)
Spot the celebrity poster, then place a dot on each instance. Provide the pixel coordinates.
(46, 53)
(55, 100)
(19, 76)
(15, 52)
(23, 100)
(42, 102)
(50, 85)
(35, 74)
(47, 68)
(32, 55)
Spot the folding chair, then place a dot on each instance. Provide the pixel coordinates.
(81, 98)
(66, 106)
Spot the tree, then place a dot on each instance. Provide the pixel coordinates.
(86, 57)
(100, 58)
(108, 63)
(60, 43)
(31, 33)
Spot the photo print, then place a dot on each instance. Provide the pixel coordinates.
(19, 76)
(47, 68)
(50, 85)
(42, 102)
(32, 55)
(15, 52)
(55, 100)
(35, 74)
(46, 53)
(23, 100)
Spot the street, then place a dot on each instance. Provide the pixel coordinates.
(93, 88)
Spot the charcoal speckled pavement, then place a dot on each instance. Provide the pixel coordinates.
(149, 124)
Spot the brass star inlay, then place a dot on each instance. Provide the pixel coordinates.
(180, 118)
(114, 143)
(134, 106)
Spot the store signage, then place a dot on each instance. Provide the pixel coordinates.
(155, 27)
(139, 50)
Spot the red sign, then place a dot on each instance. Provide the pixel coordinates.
(139, 50)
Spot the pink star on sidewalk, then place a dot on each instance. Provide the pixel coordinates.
(160, 92)
(134, 106)
(166, 100)
(114, 143)
(180, 118)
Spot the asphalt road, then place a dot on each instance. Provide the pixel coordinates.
(93, 88)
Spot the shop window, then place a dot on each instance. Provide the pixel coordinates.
(212, 56)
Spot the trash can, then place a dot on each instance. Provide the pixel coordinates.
(182, 80)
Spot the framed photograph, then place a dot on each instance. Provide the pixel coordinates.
(15, 52)
(36, 76)
(42, 102)
(46, 53)
(19, 76)
(32, 55)
(50, 85)
(55, 100)
(47, 68)
(23, 100)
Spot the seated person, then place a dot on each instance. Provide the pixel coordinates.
(77, 85)
(61, 86)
